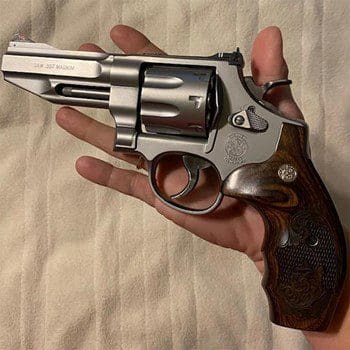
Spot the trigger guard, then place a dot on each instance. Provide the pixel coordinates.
(152, 166)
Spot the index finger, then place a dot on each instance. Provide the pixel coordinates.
(131, 41)
(268, 64)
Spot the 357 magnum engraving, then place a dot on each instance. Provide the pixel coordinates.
(54, 66)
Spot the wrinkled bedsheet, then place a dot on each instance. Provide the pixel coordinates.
(82, 267)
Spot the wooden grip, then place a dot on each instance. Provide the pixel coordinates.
(304, 247)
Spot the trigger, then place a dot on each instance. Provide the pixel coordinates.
(193, 165)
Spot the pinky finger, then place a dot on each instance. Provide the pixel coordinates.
(129, 182)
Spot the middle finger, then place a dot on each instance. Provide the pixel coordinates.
(90, 130)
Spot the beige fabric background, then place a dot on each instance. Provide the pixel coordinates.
(82, 267)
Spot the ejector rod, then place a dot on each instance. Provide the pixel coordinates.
(90, 93)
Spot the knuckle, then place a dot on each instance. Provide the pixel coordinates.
(110, 177)
(134, 185)
(88, 130)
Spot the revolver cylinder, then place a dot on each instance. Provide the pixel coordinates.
(178, 100)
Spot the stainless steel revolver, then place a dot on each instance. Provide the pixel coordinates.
(204, 110)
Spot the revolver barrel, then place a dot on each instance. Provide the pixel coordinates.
(59, 76)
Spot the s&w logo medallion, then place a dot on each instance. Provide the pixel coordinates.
(235, 148)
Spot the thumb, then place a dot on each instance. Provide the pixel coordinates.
(268, 64)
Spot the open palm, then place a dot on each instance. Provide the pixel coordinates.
(234, 224)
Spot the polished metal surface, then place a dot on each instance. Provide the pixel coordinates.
(202, 108)
(51, 66)
(188, 111)
(193, 165)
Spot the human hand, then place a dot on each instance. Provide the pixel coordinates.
(234, 224)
